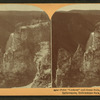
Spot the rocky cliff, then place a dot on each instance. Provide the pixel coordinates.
(83, 67)
(68, 71)
(43, 63)
(19, 67)
(91, 62)
(63, 66)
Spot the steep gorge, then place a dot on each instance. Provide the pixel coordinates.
(82, 68)
(19, 67)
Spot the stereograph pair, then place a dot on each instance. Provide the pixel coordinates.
(36, 52)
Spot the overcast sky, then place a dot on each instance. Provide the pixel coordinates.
(80, 7)
(18, 7)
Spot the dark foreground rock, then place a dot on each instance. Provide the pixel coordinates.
(68, 71)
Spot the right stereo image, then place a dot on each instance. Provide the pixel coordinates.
(76, 46)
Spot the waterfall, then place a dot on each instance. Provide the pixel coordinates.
(13, 49)
(93, 47)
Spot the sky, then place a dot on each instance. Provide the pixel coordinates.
(80, 7)
(18, 7)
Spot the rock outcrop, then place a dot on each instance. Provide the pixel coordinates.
(69, 65)
(63, 66)
(91, 62)
(76, 73)
(43, 63)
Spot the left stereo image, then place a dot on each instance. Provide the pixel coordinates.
(25, 47)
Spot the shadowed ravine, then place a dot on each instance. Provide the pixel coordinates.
(27, 55)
